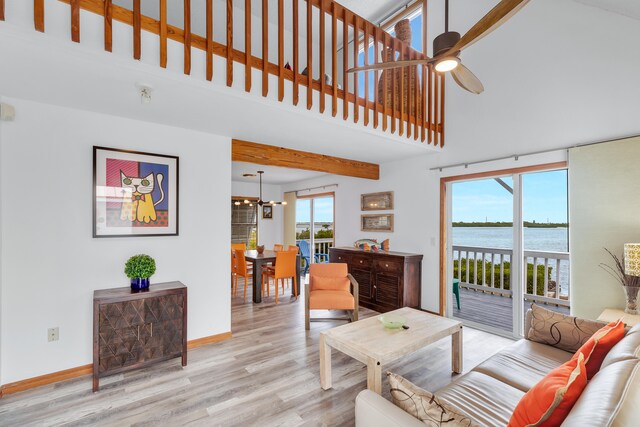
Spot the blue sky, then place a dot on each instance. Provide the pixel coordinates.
(544, 198)
(323, 210)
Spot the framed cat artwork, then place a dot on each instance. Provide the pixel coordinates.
(135, 194)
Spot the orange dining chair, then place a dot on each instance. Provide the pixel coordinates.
(330, 287)
(278, 248)
(285, 268)
(240, 269)
(293, 248)
(243, 247)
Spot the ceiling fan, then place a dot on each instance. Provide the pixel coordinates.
(448, 45)
(260, 202)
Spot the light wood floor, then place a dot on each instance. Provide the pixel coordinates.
(492, 310)
(266, 375)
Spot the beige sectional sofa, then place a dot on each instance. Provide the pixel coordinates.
(489, 393)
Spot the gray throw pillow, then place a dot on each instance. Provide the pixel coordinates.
(560, 330)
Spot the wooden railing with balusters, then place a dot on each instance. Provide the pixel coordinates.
(418, 115)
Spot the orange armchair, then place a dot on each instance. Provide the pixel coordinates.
(330, 287)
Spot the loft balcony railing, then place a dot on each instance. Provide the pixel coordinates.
(489, 270)
(312, 31)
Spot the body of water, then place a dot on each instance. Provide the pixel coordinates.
(539, 239)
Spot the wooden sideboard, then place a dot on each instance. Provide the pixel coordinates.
(133, 329)
(387, 280)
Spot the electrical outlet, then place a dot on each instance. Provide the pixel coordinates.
(53, 334)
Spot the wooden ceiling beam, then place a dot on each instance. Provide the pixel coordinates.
(270, 155)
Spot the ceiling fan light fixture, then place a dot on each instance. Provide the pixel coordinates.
(448, 63)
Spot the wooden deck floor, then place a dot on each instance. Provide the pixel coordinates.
(491, 310)
(266, 375)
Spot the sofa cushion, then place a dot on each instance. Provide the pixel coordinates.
(597, 347)
(611, 399)
(627, 348)
(488, 401)
(523, 364)
(548, 403)
(424, 405)
(559, 330)
(331, 300)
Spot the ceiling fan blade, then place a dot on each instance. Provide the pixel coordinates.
(390, 64)
(467, 80)
(492, 20)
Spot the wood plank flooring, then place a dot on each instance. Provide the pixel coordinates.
(492, 310)
(266, 375)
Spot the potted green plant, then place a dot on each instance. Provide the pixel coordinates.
(139, 268)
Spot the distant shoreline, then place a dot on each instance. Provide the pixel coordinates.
(526, 224)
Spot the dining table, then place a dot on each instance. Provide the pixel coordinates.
(258, 260)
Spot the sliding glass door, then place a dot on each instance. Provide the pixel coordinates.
(315, 225)
(508, 248)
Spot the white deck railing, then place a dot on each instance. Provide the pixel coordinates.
(321, 245)
(476, 260)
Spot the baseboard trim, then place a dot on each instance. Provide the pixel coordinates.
(41, 380)
(83, 370)
(211, 339)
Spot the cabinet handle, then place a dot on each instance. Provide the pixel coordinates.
(360, 261)
(138, 331)
(386, 265)
(152, 330)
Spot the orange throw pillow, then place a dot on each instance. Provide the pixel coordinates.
(331, 283)
(548, 403)
(597, 347)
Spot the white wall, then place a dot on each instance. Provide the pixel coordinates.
(605, 204)
(51, 265)
(269, 230)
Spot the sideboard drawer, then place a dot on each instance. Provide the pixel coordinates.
(360, 261)
(389, 266)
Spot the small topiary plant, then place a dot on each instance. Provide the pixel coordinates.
(140, 267)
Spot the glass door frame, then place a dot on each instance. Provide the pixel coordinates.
(312, 237)
(446, 249)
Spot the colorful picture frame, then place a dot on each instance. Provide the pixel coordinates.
(377, 222)
(267, 212)
(377, 201)
(135, 194)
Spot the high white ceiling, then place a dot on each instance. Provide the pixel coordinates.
(272, 174)
(629, 8)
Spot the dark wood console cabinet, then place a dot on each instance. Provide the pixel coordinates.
(133, 329)
(387, 280)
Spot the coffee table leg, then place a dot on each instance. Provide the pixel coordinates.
(325, 364)
(456, 352)
(374, 376)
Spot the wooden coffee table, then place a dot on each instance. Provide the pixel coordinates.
(371, 343)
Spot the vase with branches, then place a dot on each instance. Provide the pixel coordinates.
(630, 284)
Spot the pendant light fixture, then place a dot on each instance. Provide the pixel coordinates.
(260, 202)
